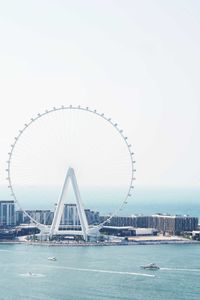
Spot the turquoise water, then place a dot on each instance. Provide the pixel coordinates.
(99, 272)
(106, 272)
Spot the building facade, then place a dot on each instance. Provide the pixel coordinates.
(69, 217)
(40, 216)
(164, 223)
(7, 213)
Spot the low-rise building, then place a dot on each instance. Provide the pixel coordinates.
(125, 231)
(196, 235)
(40, 216)
(70, 215)
(164, 223)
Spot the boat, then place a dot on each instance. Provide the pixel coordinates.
(52, 258)
(151, 266)
(31, 274)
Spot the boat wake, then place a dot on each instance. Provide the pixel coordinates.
(180, 269)
(30, 274)
(104, 271)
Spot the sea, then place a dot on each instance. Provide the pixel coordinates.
(108, 272)
(101, 272)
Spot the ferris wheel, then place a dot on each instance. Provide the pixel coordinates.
(77, 144)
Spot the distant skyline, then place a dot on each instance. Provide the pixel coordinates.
(136, 61)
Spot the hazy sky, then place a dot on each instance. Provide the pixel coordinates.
(137, 61)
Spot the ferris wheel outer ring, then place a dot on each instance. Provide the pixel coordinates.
(71, 107)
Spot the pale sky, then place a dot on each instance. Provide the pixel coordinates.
(136, 61)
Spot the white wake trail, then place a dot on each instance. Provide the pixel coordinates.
(102, 271)
(180, 269)
(31, 275)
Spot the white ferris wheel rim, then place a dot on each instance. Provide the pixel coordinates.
(130, 185)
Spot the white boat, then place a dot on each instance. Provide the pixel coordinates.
(52, 258)
(151, 266)
(32, 274)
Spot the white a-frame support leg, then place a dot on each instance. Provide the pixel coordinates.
(60, 206)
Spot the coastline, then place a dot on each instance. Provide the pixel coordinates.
(160, 240)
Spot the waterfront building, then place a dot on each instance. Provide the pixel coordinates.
(174, 224)
(70, 215)
(164, 223)
(196, 235)
(170, 224)
(120, 221)
(125, 231)
(7, 213)
(93, 217)
(19, 215)
(40, 216)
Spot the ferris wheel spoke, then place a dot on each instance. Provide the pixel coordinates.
(38, 164)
